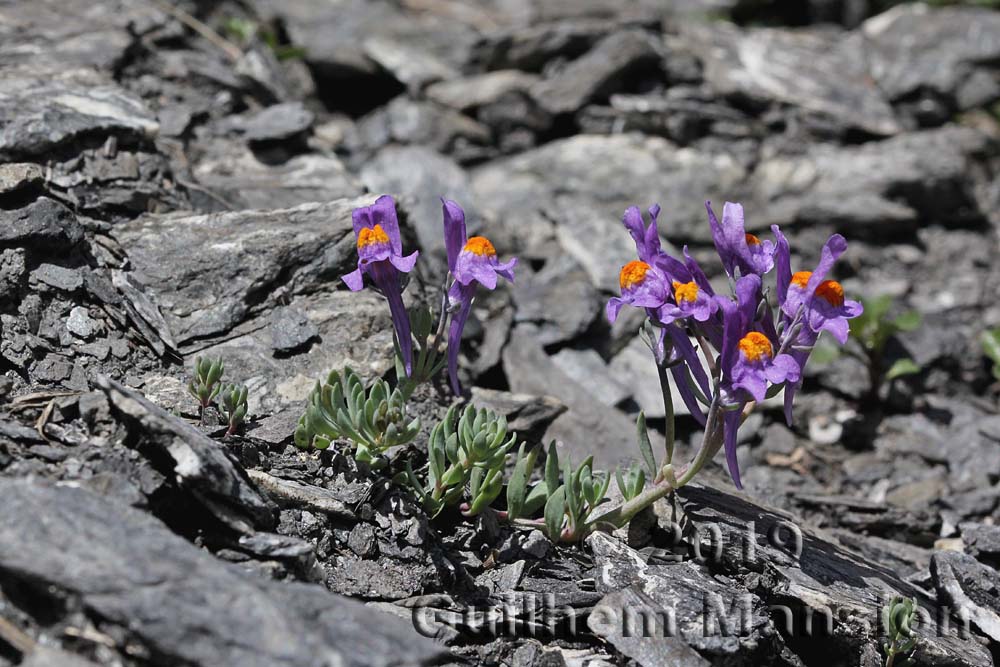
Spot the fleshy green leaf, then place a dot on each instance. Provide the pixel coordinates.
(902, 367)
(645, 448)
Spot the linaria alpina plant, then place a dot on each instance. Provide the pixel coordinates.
(233, 406)
(725, 352)
(205, 384)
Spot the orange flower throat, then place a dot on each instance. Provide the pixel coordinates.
(752, 240)
(632, 274)
(832, 292)
(370, 235)
(686, 292)
(480, 245)
(829, 290)
(756, 345)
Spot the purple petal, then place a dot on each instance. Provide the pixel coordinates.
(783, 262)
(361, 218)
(748, 296)
(731, 424)
(387, 280)
(835, 246)
(405, 264)
(752, 379)
(686, 350)
(683, 380)
(458, 319)
(507, 269)
(719, 238)
(731, 332)
(852, 308)
(673, 268)
(354, 280)
(384, 213)
(612, 309)
(783, 368)
(696, 273)
(454, 231)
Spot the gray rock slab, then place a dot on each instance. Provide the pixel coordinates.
(478, 90)
(588, 426)
(209, 271)
(906, 181)
(634, 367)
(598, 73)
(559, 300)
(42, 221)
(814, 573)
(39, 114)
(589, 369)
(199, 463)
(820, 72)
(914, 46)
(60, 277)
(235, 179)
(280, 121)
(127, 569)
(290, 329)
(353, 329)
(583, 185)
(973, 589)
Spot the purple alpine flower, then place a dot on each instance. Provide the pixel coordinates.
(749, 363)
(642, 286)
(823, 303)
(472, 262)
(380, 256)
(737, 248)
(826, 308)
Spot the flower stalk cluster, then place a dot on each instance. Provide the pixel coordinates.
(725, 352)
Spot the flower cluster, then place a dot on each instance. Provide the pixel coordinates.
(751, 349)
(471, 262)
(725, 350)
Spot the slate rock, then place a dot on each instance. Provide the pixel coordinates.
(588, 368)
(235, 178)
(432, 126)
(281, 121)
(821, 72)
(42, 221)
(74, 34)
(982, 541)
(971, 588)
(354, 329)
(598, 73)
(582, 185)
(19, 175)
(79, 322)
(209, 271)
(559, 300)
(128, 570)
(60, 277)
(12, 272)
(199, 464)
(904, 182)
(588, 426)
(914, 47)
(528, 46)
(471, 92)
(41, 114)
(812, 572)
(290, 329)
